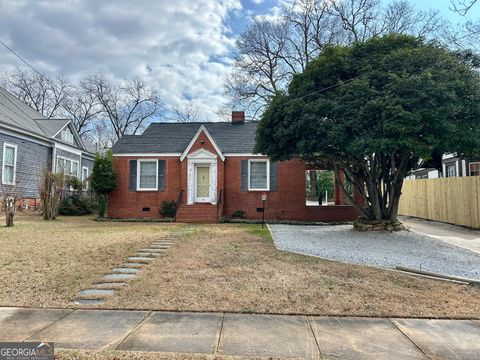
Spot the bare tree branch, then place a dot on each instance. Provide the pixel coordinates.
(462, 6)
(127, 106)
(185, 114)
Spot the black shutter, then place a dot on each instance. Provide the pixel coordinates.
(133, 175)
(161, 175)
(273, 176)
(244, 175)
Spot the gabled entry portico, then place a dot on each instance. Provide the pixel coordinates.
(202, 177)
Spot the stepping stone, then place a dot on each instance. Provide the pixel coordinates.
(134, 265)
(123, 270)
(107, 285)
(147, 254)
(119, 277)
(89, 302)
(97, 292)
(140, 259)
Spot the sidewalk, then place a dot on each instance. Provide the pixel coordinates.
(455, 235)
(306, 337)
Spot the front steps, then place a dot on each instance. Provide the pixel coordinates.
(198, 213)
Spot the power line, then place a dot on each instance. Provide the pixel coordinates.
(30, 66)
(326, 88)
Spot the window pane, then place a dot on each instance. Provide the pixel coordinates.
(9, 156)
(68, 167)
(148, 175)
(74, 168)
(60, 165)
(8, 174)
(258, 175)
(475, 169)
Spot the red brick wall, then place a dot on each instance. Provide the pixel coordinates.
(287, 203)
(124, 203)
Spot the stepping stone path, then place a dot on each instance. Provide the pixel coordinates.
(119, 276)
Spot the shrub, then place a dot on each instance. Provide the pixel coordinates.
(73, 182)
(77, 205)
(168, 209)
(103, 180)
(238, 214)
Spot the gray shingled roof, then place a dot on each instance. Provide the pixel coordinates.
(175, 137)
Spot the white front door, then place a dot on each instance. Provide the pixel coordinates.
(202, 183)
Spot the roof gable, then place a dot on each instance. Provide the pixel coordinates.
(202, 129)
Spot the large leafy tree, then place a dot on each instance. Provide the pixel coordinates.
(373, 110)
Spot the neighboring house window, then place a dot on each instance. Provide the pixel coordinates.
(474, 169)
(85, 177)
(9, 164)
(451, 172)
(67, 135)
(258, 175)
(147, 175)
(67, 166)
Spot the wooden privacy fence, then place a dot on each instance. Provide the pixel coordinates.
(454, 200)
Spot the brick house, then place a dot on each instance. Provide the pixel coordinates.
(210, 170)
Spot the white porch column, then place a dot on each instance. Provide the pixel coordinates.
(190, 181)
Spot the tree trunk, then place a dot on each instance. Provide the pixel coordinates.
(9, 218)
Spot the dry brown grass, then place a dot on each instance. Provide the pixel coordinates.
(46, 263)
(237, 268)
(233, 268)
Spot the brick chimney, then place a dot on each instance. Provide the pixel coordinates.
(238, 117)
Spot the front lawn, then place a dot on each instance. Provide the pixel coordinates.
(46, 263)
(236, 268)
(218, 267)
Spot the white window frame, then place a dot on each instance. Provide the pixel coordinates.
(470, 170)
(70, 135)
(71, 165)
(138, 175)
(267, 161)
(84, 179)
(5, 145)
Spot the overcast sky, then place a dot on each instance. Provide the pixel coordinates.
(180, 47)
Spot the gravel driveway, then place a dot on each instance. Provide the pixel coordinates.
(342, 243)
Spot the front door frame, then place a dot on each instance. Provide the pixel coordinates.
(196, 198)
(205, 158)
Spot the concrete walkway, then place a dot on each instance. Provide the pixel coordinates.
(285, 336)
(452, 234)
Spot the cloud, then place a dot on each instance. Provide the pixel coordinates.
(179, 47)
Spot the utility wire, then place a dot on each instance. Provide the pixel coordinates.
(326, 88)
(30, 66)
